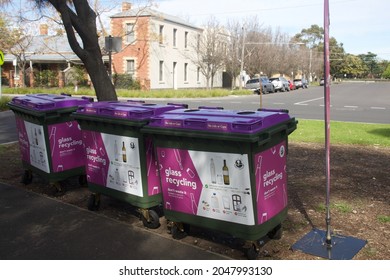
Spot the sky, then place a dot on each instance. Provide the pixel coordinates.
(362, 26)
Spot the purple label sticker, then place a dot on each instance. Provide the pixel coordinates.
(24, 143)
(66, 146)
(97, 161)
(271, 182)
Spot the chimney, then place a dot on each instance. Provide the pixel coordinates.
(43, 29)
(126, 6)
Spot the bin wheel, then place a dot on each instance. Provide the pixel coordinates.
(150, 219)
(93, 202)
(83, 180)
(59, 188)
(276, 232)
(251, 252)
(178, 232)
(27, 177)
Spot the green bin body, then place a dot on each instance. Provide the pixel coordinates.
(49, 138)
(224, 170)
(120, 162)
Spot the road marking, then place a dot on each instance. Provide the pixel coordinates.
(236, 102)
(306, 101)
(352, 107)
(279, 103)
(378, 108)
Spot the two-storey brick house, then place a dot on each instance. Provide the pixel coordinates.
(156, 48)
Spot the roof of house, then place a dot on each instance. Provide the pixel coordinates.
(47, 49)
(146, 12)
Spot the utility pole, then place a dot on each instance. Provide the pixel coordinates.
(242, 58)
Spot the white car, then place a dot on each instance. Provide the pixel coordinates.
(280, 84)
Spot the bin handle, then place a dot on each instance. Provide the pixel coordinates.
(267, 136)
(195, 122)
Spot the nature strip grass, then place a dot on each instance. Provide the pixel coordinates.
(313, 131)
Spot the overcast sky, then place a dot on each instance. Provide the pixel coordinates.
(362, 26)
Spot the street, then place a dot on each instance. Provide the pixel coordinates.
(352, 102)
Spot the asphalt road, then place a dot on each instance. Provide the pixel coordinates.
(352, 102)
(8, 131)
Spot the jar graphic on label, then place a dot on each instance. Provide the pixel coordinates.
(117, 177)
(124, 159)
(212, 172)
(214, 201)
(225, 172)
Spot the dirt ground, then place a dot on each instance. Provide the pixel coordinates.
(360, 201)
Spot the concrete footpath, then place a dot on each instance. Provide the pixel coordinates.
(34, 227)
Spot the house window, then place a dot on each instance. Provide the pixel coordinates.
(161, 71)
(198, 42)
(174, 36)
(161, 34)
(198, 74)
(130, 36)
(186, 40)
(130, 69)
(185, 72)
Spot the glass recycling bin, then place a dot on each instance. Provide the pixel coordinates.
(120, 161)
(224, 170)
(49, 138)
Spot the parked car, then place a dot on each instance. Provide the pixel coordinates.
(280, 84)
(292, 85)
(300, 83)
(322, 81)
(254, 85)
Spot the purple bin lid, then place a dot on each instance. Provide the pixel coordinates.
(216, 120)
(48, 102)
(130, 110)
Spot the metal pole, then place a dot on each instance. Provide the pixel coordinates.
(110, 57)
(327, 119)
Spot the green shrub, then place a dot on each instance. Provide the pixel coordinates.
(126, 81)
(3, 103)
(46, 78)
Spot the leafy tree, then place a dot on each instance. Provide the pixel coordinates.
(353, 67)
(311, 36)
(386, 73)
(370, 60)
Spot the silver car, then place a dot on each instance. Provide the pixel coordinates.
(254, 85)
(280, 84)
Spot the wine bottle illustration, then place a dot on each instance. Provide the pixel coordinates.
(124, 158)
(225, 172)
(212, 172)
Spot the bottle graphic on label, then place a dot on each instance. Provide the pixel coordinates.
(225, 172)
(36, 136)
(124, 152)
(214, 201)
(212, 172)
(116, 151)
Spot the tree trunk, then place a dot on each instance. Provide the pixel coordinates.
(81, 20)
